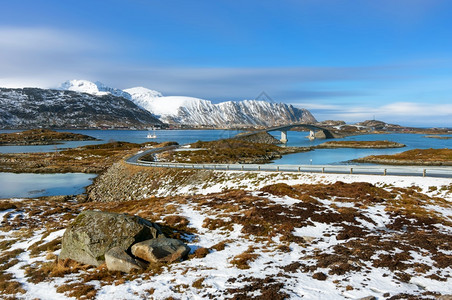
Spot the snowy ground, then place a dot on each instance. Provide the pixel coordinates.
(256, 180)
(268, 235)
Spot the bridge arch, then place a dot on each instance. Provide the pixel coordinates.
(313, 128)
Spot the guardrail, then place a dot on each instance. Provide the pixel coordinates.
(430, 171)
(337, 169)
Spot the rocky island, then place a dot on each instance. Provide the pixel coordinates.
(226, 152)
(421, 157)
(361, 144)
(41, 137)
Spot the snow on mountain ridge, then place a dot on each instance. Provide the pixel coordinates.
(195, 111)
(82, 86)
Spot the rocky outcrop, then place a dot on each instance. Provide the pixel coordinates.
(93, 233)
(360, 145)
(41, 137)
(258, 137)
(124, 182)
(160, 250)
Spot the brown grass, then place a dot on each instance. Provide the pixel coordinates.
(360, 144)
(198, 283)
(40, 137)
(5, 204)
(86, 159)
(243, 260)
(228, 151)
(78, 290)
(37, 248)
(200, 253)
(57, 268)
(415, 156)
(220, 246)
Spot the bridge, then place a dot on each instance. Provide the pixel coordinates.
(382, 170)
(284, 128)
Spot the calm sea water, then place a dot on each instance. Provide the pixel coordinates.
(132, 136)
(35, 185)
(344, 155)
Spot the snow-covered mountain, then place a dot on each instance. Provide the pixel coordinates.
(33, 107)
(195, 111)
(94, 88)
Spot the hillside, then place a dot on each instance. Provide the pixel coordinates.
(33, 107)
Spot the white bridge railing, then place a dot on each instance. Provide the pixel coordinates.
(338, 169)
(430, 171)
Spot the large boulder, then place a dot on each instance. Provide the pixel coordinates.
(118, 260)
(163, 250)
(93, 233)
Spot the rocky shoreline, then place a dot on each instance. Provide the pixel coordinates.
(416, 157)
(413, 162)
(360, 145)
(41, 137)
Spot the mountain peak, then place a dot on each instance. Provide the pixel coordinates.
(195, 111)
(94, 88)
(140, 91)
(82, 86)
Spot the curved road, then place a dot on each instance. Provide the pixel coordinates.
(430, 171)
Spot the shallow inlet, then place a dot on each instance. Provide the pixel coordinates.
(37, 185)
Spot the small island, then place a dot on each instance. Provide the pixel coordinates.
(226, 151)
(41, 137)
(440, 137)
(422, 157)
(86, 159)
(361, 144)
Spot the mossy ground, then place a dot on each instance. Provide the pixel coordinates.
(362, 229)
(413, 157)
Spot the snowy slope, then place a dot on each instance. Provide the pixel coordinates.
(194, 111)
(32, 107)
(94, 88)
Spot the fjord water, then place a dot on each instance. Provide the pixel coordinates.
(37, 185)
(296, 138)
(132, 136)
(344, 155)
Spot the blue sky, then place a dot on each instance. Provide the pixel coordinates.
(349, 60)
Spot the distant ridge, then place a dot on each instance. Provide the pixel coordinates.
(33, 107)
(197, 112)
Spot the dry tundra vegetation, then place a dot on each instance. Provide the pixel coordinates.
(361, 144)
(340, 240)
(280, 241)
(85, 159)
(436, 157)
(41, 137)
(227, 151)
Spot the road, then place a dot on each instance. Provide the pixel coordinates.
(426, 171)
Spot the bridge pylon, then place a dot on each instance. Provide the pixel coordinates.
(284, 139)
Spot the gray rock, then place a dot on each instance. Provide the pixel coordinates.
(93, 233)
(118, 260)
(368, 298)
(160, 250)
(445, 297)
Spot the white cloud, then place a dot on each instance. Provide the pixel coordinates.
(404, 113)
(45, 57)
(41, 56)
